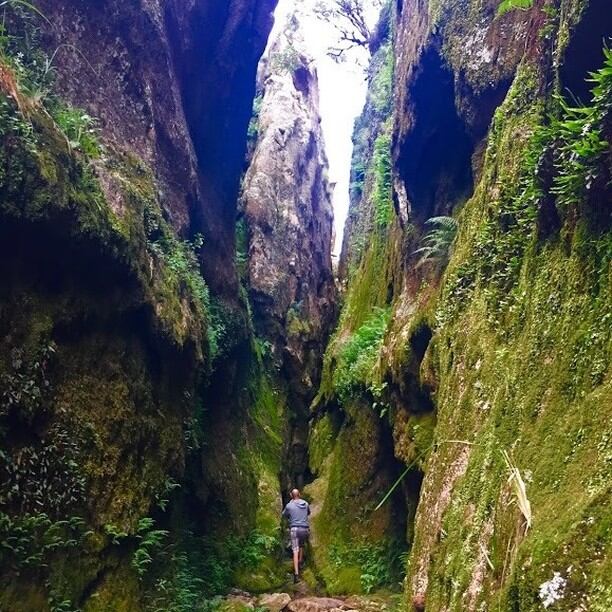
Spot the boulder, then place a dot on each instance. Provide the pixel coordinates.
(274, 602)
(316, 604)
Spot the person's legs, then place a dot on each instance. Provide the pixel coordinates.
(295, 547)
(303, 535)
(296, 561)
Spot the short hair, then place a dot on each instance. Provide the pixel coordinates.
(295, 493)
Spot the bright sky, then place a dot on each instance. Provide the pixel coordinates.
(342, 95)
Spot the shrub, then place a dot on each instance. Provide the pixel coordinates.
(510, 5)
(381, 194)
(358, 356)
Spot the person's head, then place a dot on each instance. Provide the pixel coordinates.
(295, 494)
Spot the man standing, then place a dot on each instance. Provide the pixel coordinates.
(297, 512)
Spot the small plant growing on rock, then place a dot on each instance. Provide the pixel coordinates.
(149, 540)
(509, 5)
(358, 356)
(438, 242)
(80, 130)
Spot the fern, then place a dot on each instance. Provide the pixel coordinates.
(381, 193)
(150, 540)
(578, 136)
(437, 243)
(358, 356)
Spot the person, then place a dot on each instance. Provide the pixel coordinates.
(297, 512)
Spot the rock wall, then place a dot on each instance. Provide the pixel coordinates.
(357, 546)
(470, 354)
(147, 70)
(287, 214)
(478, 541)
(123, 136)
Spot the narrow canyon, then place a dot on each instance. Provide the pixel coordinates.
(179, 348)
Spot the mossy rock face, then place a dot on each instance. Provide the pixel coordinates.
(521, 366)
(347, 531)
(268, 576)
(345, 581)
(120, 591)
(87, 325)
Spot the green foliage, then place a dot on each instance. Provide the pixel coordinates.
(183, 264)
(25, 382)
(182, 261)
(381, 193)
(578, 142)
(378, 563)
(381, 86)
(14, 126)
(264, 349)
(358, 355)
(242, 249)
(80, 130)
(574, 141)
(31, 66)
(182, 576)
(438, 241)
(117, 535)
(225, 327)
(218, 561)
(358, 172)
(146, 541)
(253, 131)
(43, 472)
(149, 540)
(34, 72)
(162, 497)
(510, 5)
(34, 540)
(249, 552)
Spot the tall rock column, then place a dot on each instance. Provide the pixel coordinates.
(288, 214)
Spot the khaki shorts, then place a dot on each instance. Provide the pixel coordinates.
(299, 536)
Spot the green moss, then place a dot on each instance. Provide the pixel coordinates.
(380, 90)
(320, 442)
(511, 5)
(381, 193)
(268, 576)
(523, 367)
(129, 346)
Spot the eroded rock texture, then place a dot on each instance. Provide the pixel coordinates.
(286, 203)
(170, 82)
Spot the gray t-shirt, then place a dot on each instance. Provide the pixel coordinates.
(297, 511)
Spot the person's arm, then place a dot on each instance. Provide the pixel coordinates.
(284, 512)
(308, 509)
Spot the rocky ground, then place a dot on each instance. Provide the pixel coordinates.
(301, 599)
